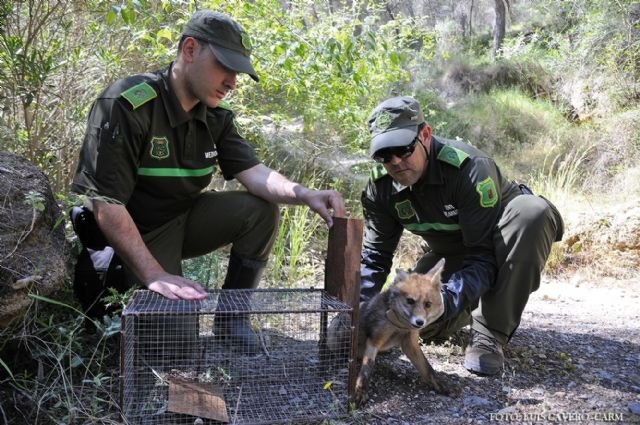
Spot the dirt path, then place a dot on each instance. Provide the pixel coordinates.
(575, 359)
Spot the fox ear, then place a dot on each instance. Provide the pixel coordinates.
(435, 273)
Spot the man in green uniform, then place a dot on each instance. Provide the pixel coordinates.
(152, 144)
(495, 235)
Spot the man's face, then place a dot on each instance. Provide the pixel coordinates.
(209, 80)
(407, 171)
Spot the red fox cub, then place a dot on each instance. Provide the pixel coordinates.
(395, 317)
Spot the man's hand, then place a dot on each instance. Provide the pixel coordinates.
(120, 230)
(326, 203)
(177, 287)
(272, 186)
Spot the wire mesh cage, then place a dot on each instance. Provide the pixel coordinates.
(187, 362)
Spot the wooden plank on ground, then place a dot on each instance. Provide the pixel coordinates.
(197, 399)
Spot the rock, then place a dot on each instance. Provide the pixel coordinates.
(507, 410)
(475, 401)
(33, 250)
(634, 408)
(614, 252)
(605, 376)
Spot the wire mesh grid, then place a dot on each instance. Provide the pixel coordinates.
(187, 362)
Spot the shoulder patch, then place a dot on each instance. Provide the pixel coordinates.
(452, 156)
(488, 193)
(224, 105)
(139, 94)
(378, 172)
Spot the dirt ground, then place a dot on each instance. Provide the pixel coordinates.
(574, 359)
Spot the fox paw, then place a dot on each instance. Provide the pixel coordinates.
(360, 398)
(448, 389)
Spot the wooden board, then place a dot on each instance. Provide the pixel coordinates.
(342, 275)
(197, 399)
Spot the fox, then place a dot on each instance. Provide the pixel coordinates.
(395, 317)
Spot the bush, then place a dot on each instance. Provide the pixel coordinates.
(504, 123)
(593, 50)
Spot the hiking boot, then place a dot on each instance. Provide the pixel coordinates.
(235, 329)
(483, 354)
(232, 320)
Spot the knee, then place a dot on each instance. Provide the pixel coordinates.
(264, 213)
(531, 212)
(527, 224)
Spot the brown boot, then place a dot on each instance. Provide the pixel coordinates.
(483, 354)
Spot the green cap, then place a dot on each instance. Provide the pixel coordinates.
(394, 122)
(229, 42)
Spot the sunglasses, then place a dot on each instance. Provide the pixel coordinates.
(385, 155)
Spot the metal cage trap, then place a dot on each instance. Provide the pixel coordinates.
(179, 366)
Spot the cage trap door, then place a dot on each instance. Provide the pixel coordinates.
(342, 276)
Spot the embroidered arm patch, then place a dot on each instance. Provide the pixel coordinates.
(488, 193)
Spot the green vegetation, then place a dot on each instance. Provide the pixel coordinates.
(58, 371)
(558, 107)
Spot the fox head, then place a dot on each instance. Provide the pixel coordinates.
(414, 299)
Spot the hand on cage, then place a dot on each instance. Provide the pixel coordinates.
(177, 287)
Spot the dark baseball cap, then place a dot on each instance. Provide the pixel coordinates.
(229, 42)
(394, 122)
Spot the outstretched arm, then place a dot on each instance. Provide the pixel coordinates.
(272, 186)
(121, 232)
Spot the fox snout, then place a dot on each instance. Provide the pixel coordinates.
(417, 322)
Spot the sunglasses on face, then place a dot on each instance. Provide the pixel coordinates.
(385, 155)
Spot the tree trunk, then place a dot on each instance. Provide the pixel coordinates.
(499, 28)
(471, 18)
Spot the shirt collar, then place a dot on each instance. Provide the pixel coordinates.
(399, 187)
(176, 114)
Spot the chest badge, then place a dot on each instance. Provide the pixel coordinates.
(405, 209)
(488, 193)
(159, 148)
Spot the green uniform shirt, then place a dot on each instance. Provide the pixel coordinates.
(454, 207)
(143, 150)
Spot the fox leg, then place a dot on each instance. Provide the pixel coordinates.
(364, 376)
(411, 348)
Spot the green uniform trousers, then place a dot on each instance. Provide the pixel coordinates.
(217, 219)
(522, 240)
